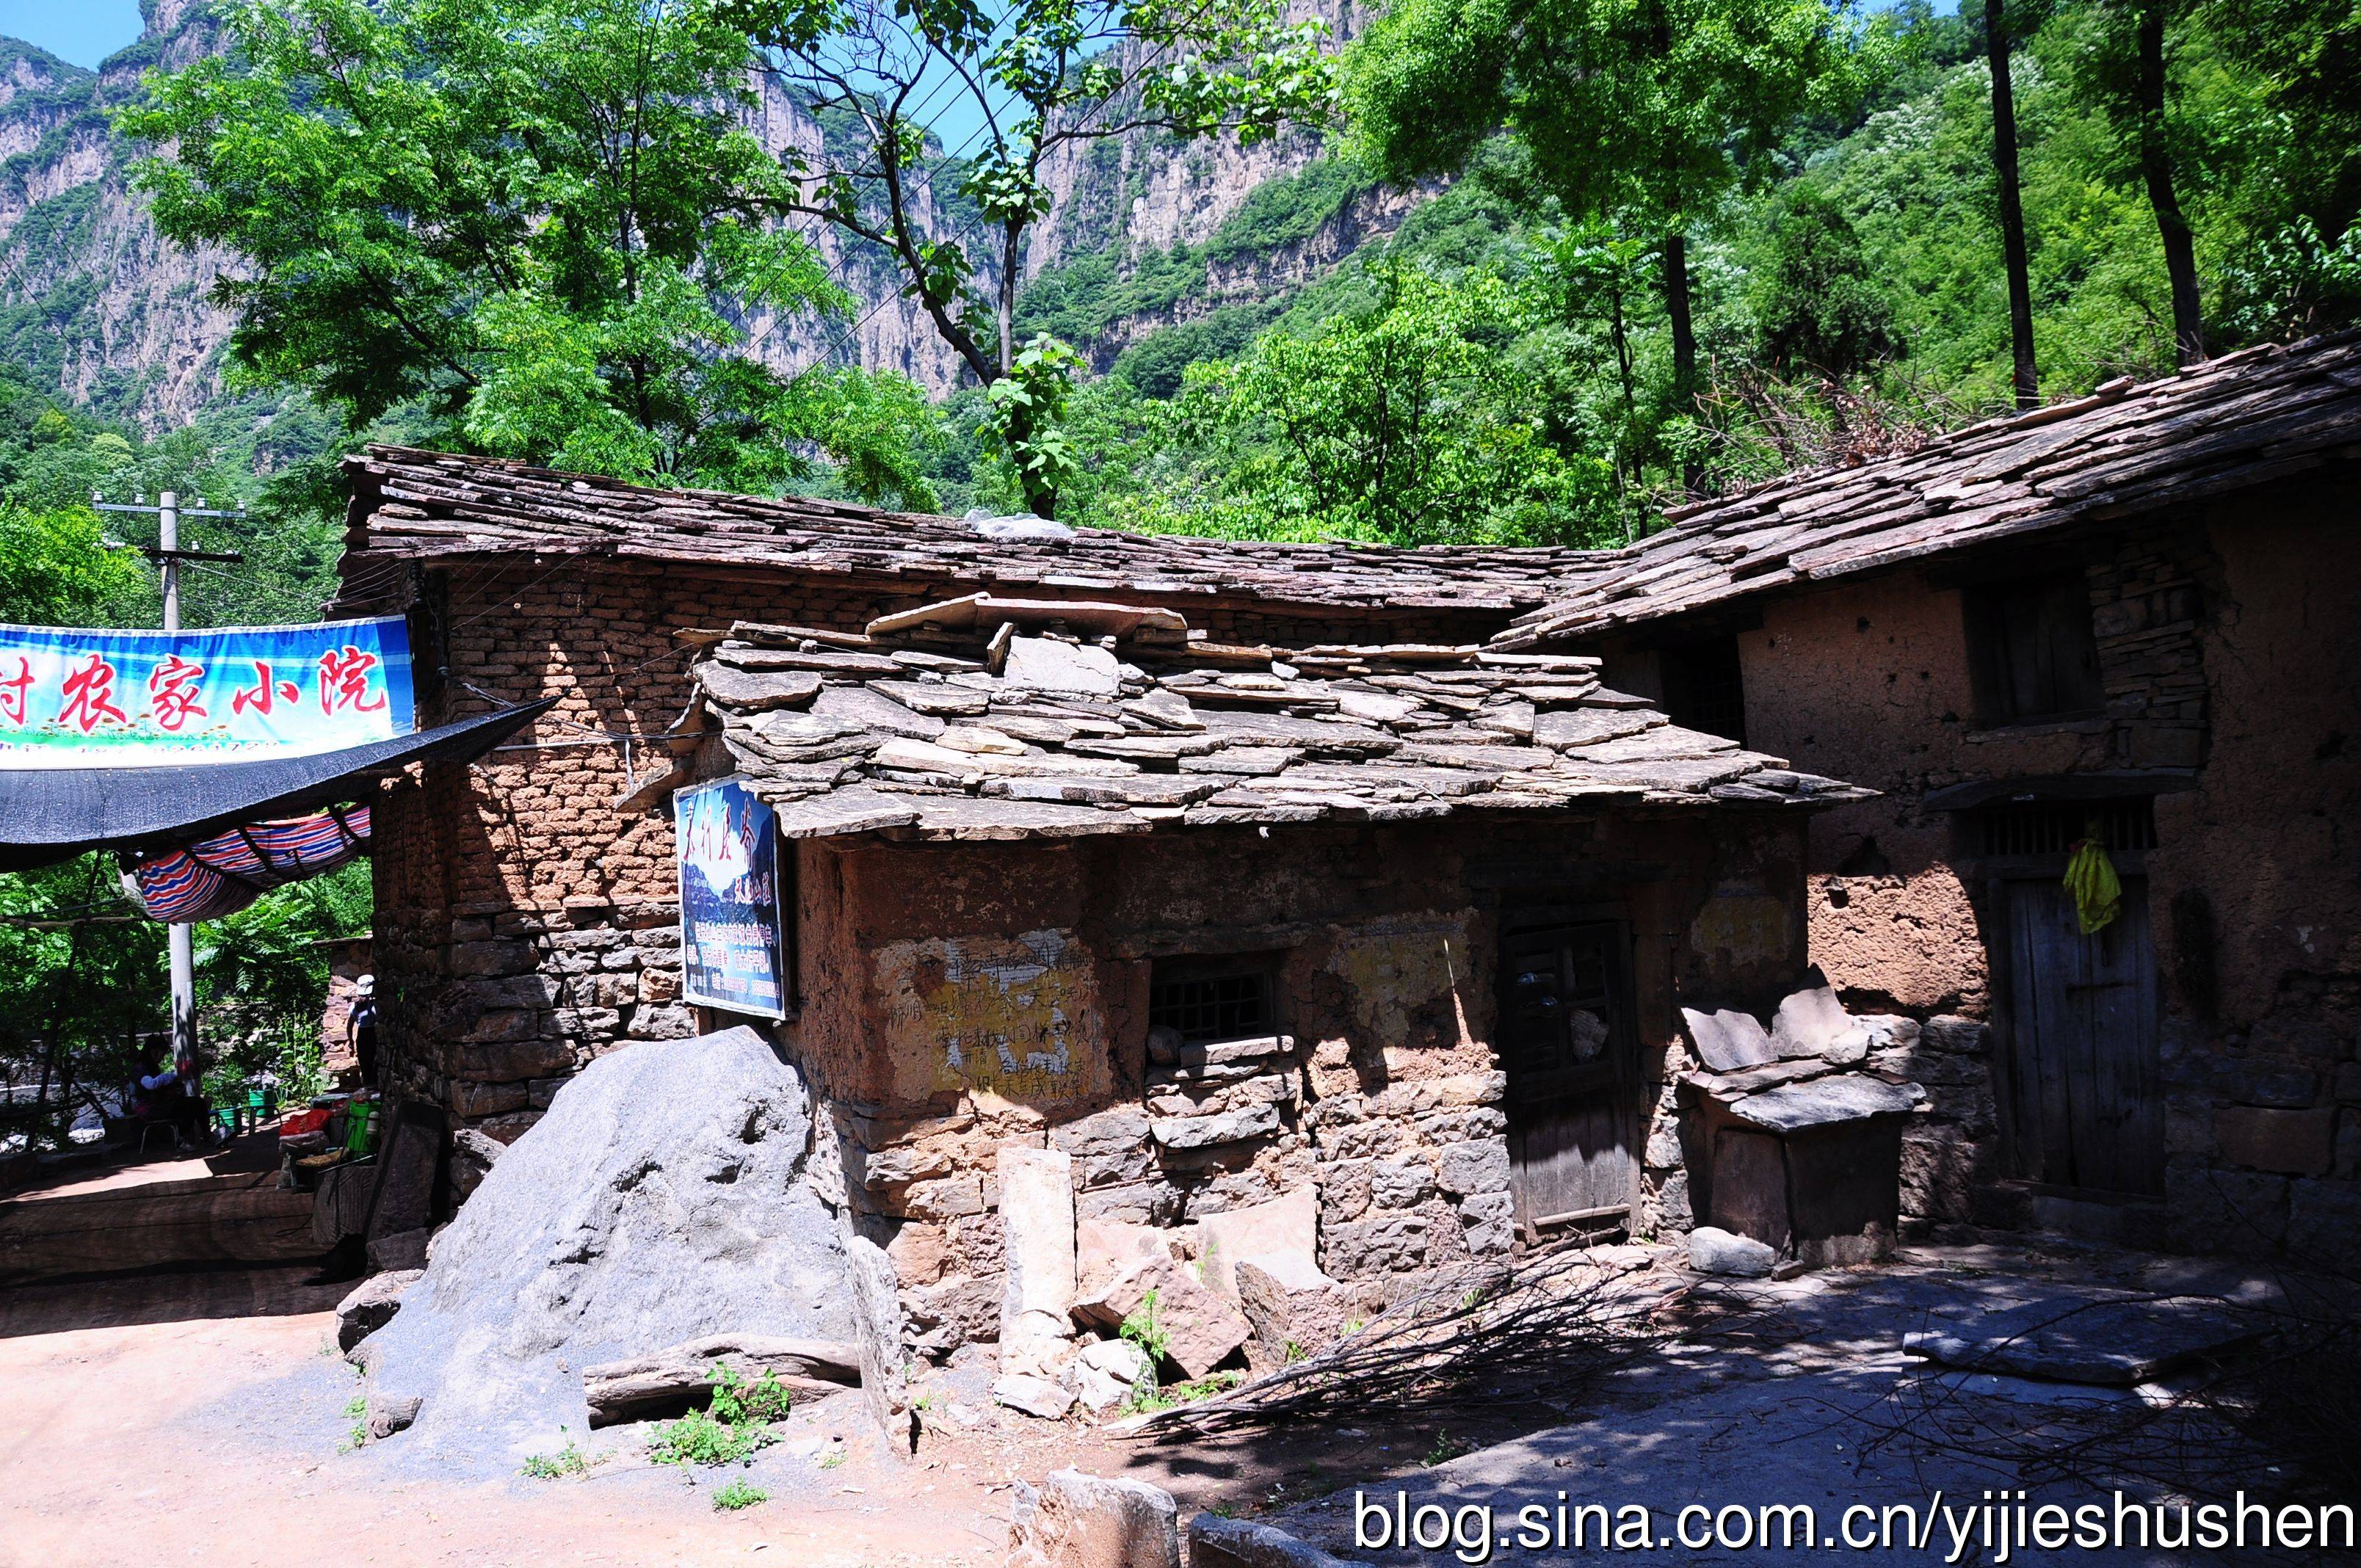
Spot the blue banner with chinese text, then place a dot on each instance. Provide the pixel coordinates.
(75, 698)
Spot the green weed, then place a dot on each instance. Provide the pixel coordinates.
(567, 1461)
(738, 1494)
(1142, 1329)
(1145, 1399)
(728, 1431)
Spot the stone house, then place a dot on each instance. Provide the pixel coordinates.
(527, 905)
(2137, 616)
(1398, 932)
(1386, 922)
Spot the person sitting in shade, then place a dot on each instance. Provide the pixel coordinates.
(160, 1094)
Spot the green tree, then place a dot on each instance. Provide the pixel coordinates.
(1403, 422)
(1644, 112)
(2008, 186)
(2307, 57)
(1820, 309)
(55, 569)
(542, 221)
(1040, 78)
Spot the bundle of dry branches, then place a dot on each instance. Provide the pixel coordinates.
(2281, 1415)
(1471, 1335)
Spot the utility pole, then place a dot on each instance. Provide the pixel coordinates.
(167, 554)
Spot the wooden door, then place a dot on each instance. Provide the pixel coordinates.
(1570, 1050)
(2083, 1096)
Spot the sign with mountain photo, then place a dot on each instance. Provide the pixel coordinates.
(733, 928)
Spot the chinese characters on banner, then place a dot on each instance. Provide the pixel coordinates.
(732, 948)
(72, 698)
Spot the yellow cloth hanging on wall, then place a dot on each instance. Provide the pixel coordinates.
(2098, 892)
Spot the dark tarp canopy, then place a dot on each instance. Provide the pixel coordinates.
(49, 815)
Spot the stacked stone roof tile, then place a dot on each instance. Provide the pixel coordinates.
(411, 506)
(1045, 734)
(2245, 419)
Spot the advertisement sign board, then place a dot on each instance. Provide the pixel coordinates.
(733, 949)
(73, 698)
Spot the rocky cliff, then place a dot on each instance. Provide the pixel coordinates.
(95, 302)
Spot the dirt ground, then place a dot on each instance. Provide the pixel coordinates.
(205, 1421)
(201, 1415)
(223, 1439)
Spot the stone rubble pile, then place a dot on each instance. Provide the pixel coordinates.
(1085, 1297)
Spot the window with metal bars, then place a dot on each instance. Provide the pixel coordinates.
(1211, 999)
(2055, 827)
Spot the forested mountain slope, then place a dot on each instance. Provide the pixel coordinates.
(1251, 319)
(94, 305)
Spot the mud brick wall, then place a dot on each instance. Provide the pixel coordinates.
(966, 996)
(2255, 894)
(2227, 646)
(525, 922)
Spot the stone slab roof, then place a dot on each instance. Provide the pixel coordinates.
(1045, 735)
(2238, 422)
(411, 505)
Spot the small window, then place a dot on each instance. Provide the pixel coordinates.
(2054, 827)
(1211, 998)
(1704, 689)
(2031, 651)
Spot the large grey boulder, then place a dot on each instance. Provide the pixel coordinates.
(661, 1199)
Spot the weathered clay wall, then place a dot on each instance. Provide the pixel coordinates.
(966, 996)
(2227, 645)
(2255, 894)
(525, 922)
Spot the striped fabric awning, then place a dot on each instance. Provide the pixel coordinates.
(223, 874)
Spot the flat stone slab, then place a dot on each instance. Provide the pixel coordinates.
(1825, 1102)
(1729, 1041)
(2114, 1343)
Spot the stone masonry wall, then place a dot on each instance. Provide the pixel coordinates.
(2255, 895)
(968, 996)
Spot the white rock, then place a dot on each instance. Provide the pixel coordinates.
(1034, 1396)
(1045, 664)
(1811, 1021)
(1089, 1522)
(976, 738)
(1106, 1372)
(1716, 1251)
(1288, 1226)
(1037, 1214)
(1726, 1041)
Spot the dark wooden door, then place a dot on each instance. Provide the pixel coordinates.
(2084, 1100)
(1570, 1049)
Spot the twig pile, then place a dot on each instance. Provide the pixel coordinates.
(1473, 1335)
(2282, 1417)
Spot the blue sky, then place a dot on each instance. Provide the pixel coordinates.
(83, 31)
